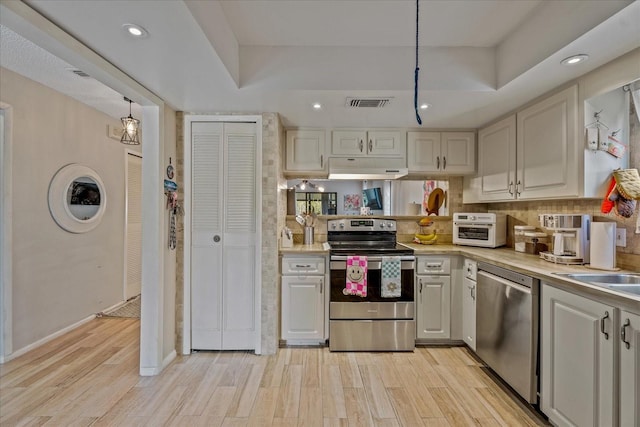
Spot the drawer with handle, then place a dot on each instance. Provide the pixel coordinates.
(433, 265)
(303, 265)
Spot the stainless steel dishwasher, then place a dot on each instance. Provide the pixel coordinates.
(507, 327)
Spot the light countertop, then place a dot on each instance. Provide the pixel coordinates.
(531, 265)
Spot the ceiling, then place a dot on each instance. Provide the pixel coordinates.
(478, 59)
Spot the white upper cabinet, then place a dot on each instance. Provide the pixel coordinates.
(451, 153)
(496, 164)
(530, 155)
(547, 163)
(305, 151)
(358, 143)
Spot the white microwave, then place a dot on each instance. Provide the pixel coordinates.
(486, 230)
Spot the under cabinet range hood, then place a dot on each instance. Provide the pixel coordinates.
(367, 168)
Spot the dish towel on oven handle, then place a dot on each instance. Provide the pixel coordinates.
(391, 277)
(356, 276)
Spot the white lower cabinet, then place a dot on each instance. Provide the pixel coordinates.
(303, 299)
(577, 346)
(433, 297)
(469, 312)
(629, 369)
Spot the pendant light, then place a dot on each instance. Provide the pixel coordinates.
(130, 128)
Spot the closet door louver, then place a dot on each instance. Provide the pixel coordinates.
(207, 177)
(240, 205)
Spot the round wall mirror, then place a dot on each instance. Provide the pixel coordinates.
(77, 198)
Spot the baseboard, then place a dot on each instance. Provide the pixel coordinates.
(302, 343)
(439, 342)
(46, 339)
(153, 371)
(169, 359)
(113, 307)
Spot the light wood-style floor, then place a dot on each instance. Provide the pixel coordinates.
(90, 377)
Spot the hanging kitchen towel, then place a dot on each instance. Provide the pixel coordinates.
(609, 202)
(391, 278)
(356, 276)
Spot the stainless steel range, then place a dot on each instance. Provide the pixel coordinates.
(379, 316)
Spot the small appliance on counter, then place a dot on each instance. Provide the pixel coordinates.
(487, 230)
(603, 249)
(528, 240)
(571, 238)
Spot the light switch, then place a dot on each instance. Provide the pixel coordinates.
(621, 237)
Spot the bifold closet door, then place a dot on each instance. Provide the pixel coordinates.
(223, 225)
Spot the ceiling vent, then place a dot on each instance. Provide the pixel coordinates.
(79, 73)
(368, 102)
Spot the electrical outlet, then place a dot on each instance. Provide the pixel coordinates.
(638, 227)
(621, 237)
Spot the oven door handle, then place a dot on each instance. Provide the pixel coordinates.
(372, 258)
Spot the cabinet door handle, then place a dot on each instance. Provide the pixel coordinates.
(438, 162)
(473, 293)
(321, 160)
(623, 333)
(370, 145)
(518, 187)
(361, 146)
(606, 316)
(511, 188)
(444, 162)
(321, 285)
(420, 285)
(303, 266)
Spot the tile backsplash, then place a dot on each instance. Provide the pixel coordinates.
(526, 213)
(518, 213)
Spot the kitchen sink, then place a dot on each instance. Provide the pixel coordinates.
(623, 282)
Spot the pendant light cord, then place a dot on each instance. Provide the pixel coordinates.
(417, 71)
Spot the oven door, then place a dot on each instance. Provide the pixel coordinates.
(483, 235)
(338, 280)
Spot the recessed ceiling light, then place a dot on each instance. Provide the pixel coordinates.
(575, 59)
(424, 106)
(135, 30)
(317, 106)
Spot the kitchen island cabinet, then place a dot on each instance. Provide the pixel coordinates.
(577, 364)
(303, 299)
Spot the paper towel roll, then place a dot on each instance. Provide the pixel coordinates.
(603, 245)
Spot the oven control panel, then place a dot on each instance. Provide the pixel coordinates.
(361, 224)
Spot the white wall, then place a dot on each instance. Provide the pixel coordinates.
(60, 278)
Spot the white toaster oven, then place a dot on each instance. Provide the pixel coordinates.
(487, 230)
